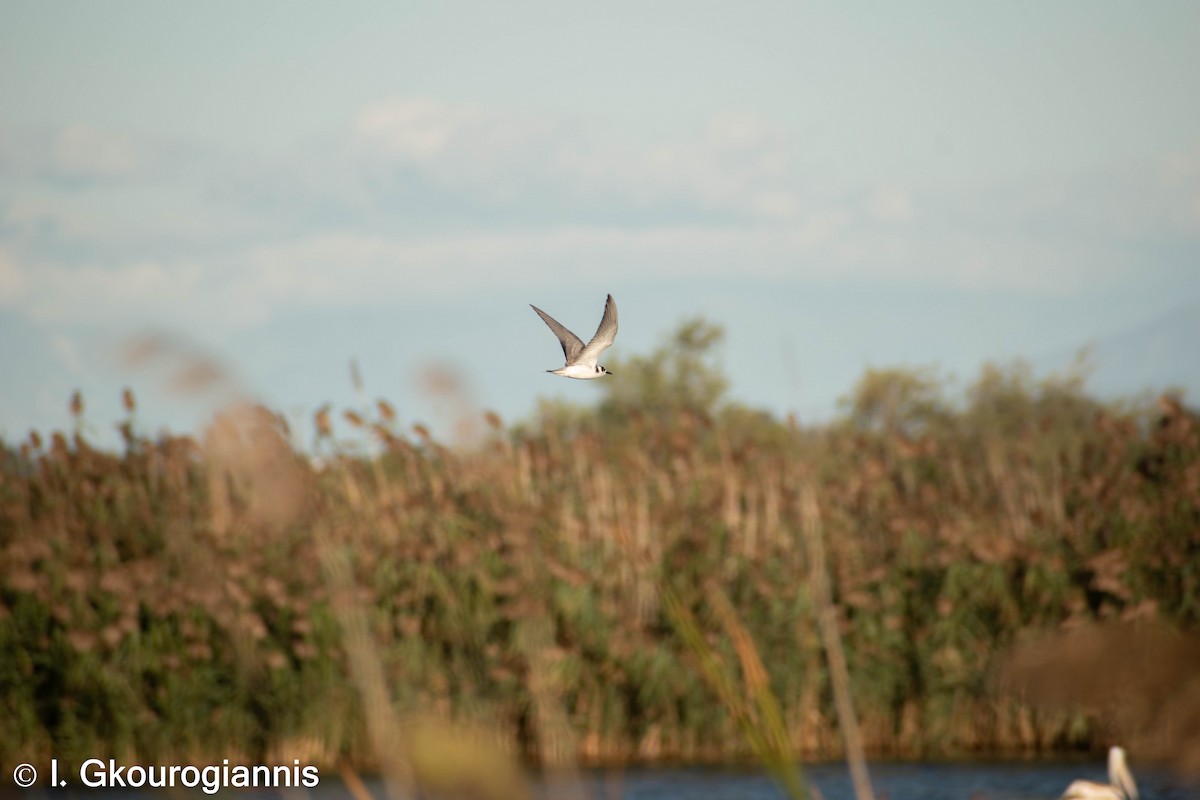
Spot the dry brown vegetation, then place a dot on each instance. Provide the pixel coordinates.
(587, 585)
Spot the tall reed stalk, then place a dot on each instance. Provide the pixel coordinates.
(818, 578)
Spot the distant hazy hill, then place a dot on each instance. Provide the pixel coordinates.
(1158, 355)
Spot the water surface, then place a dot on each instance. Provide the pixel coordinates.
(897, 781)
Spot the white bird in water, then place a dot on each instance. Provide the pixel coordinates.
(581, 360)
(1120, 784)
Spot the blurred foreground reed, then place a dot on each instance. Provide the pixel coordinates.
(568, 587)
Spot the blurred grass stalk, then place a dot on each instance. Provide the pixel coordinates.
(818, 581)
(366, 673)
(755, 708)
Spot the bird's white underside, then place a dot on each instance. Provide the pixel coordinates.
(581, 372)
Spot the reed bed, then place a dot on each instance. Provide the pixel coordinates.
(568, 587)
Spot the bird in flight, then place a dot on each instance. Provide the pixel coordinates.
(581, 359)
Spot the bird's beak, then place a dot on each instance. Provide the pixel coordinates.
(608, 371)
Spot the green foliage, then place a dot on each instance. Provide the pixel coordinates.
(681, 375)
(896, 401)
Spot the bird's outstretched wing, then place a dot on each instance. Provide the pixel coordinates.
(605, 334)
(572, 345)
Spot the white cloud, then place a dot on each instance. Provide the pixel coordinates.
(31, 216)
(136, 291)
(737, 162)
(422, 130)
(75, 152)
(726, 200)
(12, 279)
(82, 151)
(67, 352)
(348, 269)
(890, 204)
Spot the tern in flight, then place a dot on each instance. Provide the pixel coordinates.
(1119, 787)
(581, 359)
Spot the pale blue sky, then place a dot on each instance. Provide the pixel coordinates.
(284, 187)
